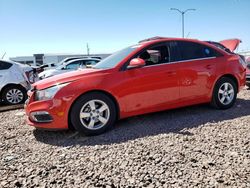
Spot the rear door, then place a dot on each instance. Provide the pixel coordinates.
(197, 71)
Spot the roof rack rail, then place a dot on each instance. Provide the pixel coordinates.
(152, 38)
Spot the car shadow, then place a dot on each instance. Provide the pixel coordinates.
(172, 121)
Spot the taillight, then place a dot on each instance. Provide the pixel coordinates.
(242, 62)
(30, 76)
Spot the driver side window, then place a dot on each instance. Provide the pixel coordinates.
(156, 55)
(75, 65)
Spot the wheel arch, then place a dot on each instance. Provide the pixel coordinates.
(234, 78)
(96, 91)
(227, 76)
(10, 85)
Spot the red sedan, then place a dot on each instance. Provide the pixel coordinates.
(154, 75)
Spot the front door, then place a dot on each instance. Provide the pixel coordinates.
(153, 87)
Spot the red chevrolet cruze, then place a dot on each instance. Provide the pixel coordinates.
(154, 75)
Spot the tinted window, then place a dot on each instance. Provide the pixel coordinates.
(75, 65)
(156, 55)
(4, 65)
(191, 50)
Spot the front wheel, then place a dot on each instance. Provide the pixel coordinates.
(224, 94)
(93, 113)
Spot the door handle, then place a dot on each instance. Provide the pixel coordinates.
(171, 73)
(209, 66)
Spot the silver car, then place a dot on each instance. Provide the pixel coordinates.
(69, 66)
(15, 80)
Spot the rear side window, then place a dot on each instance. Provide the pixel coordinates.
(4, 65)
(191, 50)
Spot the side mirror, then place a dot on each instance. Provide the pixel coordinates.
(136, 63)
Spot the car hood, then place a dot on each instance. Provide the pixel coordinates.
(65, 77)
(231, 44)
(49, 72)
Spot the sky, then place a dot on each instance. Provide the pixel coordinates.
(66, 26)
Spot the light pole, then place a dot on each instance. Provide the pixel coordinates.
(182, 14)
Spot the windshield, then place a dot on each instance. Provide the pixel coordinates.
(112, 60)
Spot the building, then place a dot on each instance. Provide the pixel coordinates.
(41, 59)
(245, 53)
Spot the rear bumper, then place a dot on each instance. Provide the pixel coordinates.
(26, 85)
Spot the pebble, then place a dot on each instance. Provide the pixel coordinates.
(189, 147)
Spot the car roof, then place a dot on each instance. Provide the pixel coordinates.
(12, 62)
(157, 39)
(154, 40)
(73, 60)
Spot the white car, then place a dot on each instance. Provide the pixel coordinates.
(69, 66)
(15, 80)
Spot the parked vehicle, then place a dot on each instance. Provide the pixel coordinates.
(154, 75)
(248, 75)
(54, 65)
(69, 66)
(15, 79)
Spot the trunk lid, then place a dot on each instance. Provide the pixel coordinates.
(231, 44)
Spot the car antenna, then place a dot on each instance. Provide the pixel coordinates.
(188, 35)
(3, 55)
(88, 49)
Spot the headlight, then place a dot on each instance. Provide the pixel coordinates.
(48, 93)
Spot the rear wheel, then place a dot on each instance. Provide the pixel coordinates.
(93, 113)
(225, 93)
(14, 95)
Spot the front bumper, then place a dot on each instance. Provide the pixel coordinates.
(50, 114)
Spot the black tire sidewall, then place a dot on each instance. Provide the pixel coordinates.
(24, 92)
(216, 102)
(75, 111)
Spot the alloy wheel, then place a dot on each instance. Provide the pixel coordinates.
(226, 93)
(94, 114)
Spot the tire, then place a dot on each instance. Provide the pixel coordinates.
(98, 113)
(224, 93)
(14, 95)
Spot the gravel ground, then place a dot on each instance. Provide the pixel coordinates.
(189, 147)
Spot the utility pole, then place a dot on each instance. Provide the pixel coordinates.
(182, 16)
(88, 49)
